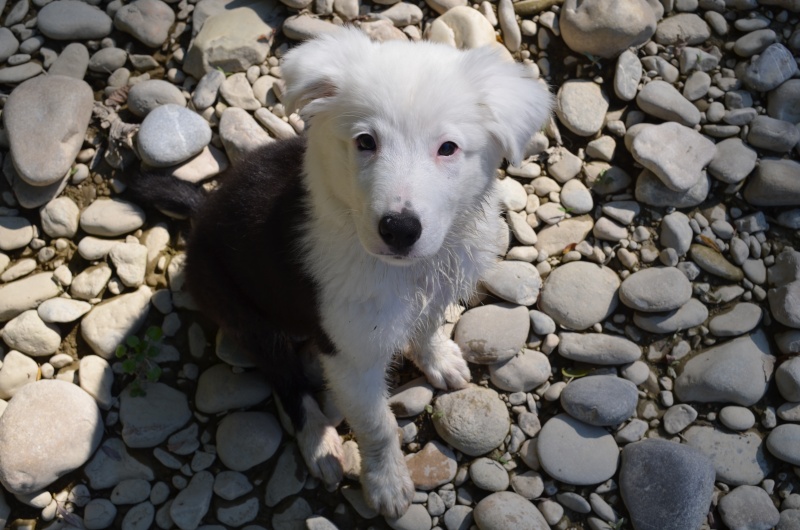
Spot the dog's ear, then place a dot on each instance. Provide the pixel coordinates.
(313, 70)
(518, 105)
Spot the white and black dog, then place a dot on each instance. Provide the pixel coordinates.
(363, 232)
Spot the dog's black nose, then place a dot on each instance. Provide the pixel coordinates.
(400, 230)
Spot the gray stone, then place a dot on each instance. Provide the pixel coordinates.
(288, 477)
(627, 75)
(304, 27)
(514, 281)
(8, 44)
(473, 420)
(506, 510)
(737, 371)
(191, 503)
(676, 232)
(147, 95)
(581, 106)
(576, 453)
(674, 153)
(784, 443)
(148, 21)
(715, 263)
(241, 134)
(488, 475)
(598, 348)
(26, 293)
(691, 314)
(600, 400)
(112, 464)
(783, 102)
(171, 134)
(65, 105)
(697, 85)
(221, 388)
(774, 135)
(149, 419)
(238, 92)
(662, 100)
(685, 28)
(205, 93)
(522, 373)
(33, 429)
(108, 60)
(651, 191)
(416, 518)
(579, 294)
(738, 459)
(246, 439)
(666, 485)
(73, 61)
(737, 418)
(678, 417)
(594, 28)
(733, 161)
(767, 71)
(73, 20)
(787, 377)
(655, 289)
(492, 333)
(748, 508)
(738, 320)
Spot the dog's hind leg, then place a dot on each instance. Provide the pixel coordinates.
(440, 359)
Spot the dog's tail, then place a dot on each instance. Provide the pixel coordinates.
(159, 189)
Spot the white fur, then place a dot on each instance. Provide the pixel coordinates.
(411, 97)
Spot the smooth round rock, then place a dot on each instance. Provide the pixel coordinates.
(655, 289)
(171, 134)
(62, 310)
(691, 314)
(577, 453)
(514, 281)
(63, 419)
(506, 510)
(579, 294)
(715, 263)
(219, 388)
(492, 333)
(686, 28)
(787, 377)
(149, 419)
(30, 335)
(148, 21)
(598, 348)
(666, 485)
(772, 67)
(600, 400)
(733, 161)
(737, 418)
(784, 443)
(774, 183)
(246, 439)
(651, 191)
(73, 20)
(738, 320)
(111, 218)
(473, 420)
(26, 293)
(432, 466)
(60, 217)
(110, 322)
(488, 475)
(784, 101)
(410, 400)
(662, 100)
(674, 153)
(581, 106)
(522, 373)
(152, 93)
(608, 27)
(738, 458)
(748, 507)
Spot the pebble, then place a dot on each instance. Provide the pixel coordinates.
(65, 104)
(674, 153)
(205, 93)
(784, 101)
(678, 417)
(140, 517)
(304, 27)
(581, 106)
(492, 333)
(686, 28)
(90, 282)
(555, 238)
(171, 134)
(298, 510)
(288, 477)
(73, 20)
(579, 294)
(770, 69)
(596, 348)
(96, 378)
(240, 134)
(148, 21)
(473, 420)
(458, 517)
(220, 388)
(98, 514)
(666, 485)
(72, 62)
(108, 60)
(787, 377)
(112, 464)
(111, 217)
(15, 232)
(231, 485)
(60, 218)
(410, 399)
(432, 466)
(488, 475)
(691, 314)
(130, 263)
(416, 518)
(738, 458)
(191, 503)
(19, 269)
(29, 334)
(748, 507)
(715, 263)
(130, 491)
(26, 293)
(737, 418)
(576, 453)
(17, 371)
(522, 373)
(506, 510)
(655, 289)
(36, 413)
(733, 161)
(784, 443)
(676, 232)
(737, 372)
(595, 29)
(662, 100)
(150, 94)
(236, 39)
(774, 135)
(246, 439)
(607, 230)
(738, 320)
(600, 400)
(514, 281)
(624, 212)
(109, 323)
(149, 419)
(651, 191)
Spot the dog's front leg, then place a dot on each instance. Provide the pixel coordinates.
(360, 393)
(440, 359)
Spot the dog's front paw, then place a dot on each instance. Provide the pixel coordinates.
(387, 485)
(445, 367)
(322, 450)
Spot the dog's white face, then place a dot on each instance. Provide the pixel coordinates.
(408, 135)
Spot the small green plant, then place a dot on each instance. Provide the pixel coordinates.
(435, 415)
(139, 355)
(565, 209)
(619, 524)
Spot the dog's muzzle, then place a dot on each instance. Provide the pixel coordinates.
(400, 230)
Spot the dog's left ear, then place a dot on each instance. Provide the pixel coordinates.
(518, 104)
(313, 70)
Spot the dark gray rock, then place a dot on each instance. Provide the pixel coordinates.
(73, 20)
(600, 400)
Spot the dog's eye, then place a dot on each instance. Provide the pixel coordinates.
(365, 142)
(447, 149)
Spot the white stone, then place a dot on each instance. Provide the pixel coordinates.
(130, 262)
(111, 217)
(60, 217)
(62, 310)
(96, 378)
(112, 321)
(17, 371)
(90, 283)
(30, 335)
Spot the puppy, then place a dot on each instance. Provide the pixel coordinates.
(360, 234)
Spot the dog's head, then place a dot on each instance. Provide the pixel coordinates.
(407, 136)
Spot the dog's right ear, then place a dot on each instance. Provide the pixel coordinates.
(314, 69)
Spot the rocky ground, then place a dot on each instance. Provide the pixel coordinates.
(638, 366)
